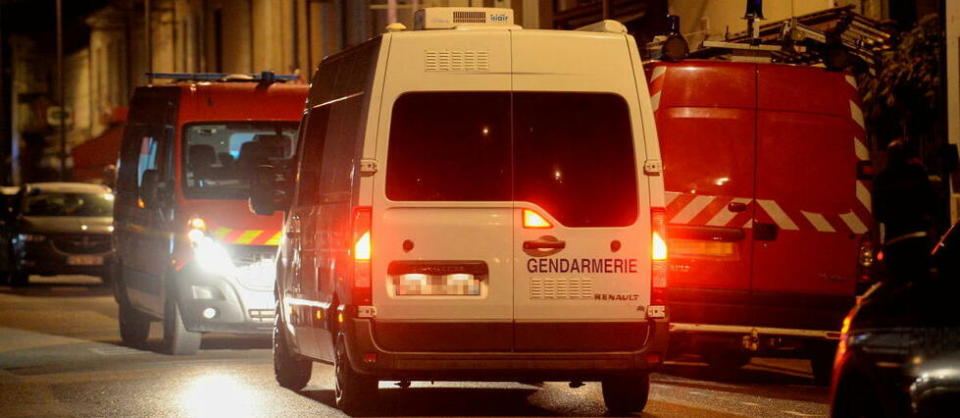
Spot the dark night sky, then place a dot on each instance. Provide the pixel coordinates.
(37, 19)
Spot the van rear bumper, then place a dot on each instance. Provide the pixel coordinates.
(500, 366)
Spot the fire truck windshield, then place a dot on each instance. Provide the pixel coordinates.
(220, 158)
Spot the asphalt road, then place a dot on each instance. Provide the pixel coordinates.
(60, 356)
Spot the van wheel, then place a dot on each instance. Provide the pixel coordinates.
(821, 363)
(726, 362)
(355, 393)
(177, 340)
(134, 325)
(626, 394)
(291, 370)
(19, 278)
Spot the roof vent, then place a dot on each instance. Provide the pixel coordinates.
(453, 17)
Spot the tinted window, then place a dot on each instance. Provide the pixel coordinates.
(221, 157)
(573, 152)
(450, 146)
(574, 157)
(313, 135)
(68, 204)
(340, 150)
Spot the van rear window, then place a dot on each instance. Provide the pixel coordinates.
(571, 153)
(450, 147)
(574, 157)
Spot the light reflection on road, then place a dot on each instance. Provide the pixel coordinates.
(219, 395)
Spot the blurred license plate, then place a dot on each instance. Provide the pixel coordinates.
(85, 260)
(438, 285)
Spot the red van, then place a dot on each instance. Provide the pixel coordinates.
(189, 251)
(769, 214)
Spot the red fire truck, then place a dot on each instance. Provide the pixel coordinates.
(768, 205)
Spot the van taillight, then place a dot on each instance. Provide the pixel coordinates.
(865, 259)
(362, 251)
(658, 256)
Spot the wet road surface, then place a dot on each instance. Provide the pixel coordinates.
(60, 355)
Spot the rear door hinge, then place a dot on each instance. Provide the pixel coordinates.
(652, 167)
(368, 166)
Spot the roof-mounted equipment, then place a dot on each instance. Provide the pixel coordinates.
(264, 77)
(457, 17)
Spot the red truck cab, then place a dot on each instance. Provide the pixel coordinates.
(190, 253)
(768, 218)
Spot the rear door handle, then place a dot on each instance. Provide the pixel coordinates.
(737, 207)
(539, 244)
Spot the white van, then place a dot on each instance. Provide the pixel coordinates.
(474, 201)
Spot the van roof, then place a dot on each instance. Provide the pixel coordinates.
(220, 101)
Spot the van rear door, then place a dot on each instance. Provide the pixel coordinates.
(812, 210)
(442, 220)
(582, 234)
(706, 121)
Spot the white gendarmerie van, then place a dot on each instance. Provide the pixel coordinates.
(474, 201)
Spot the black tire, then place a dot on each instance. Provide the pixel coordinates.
(626, 394)
(355, 393)
(292, 371)
(19, 278)
(177, 340)
(134, 325)
(821, 363)
(726, 362)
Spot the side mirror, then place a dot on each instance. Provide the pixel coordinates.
(150, 188)
(269, 191)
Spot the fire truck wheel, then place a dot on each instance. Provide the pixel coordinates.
(134, 325)
(355, 393)
(177, 340)
(726, 362)
(292, 371)
(626, 394)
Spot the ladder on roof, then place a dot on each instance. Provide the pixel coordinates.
(262, 77)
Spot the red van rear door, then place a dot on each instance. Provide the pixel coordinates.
(811, 211)
(706, 121)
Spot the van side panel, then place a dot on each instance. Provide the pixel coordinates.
(343, 97)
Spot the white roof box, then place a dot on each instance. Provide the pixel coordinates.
(453, 17)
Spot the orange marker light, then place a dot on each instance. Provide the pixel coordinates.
(198, 223)
(534, 220)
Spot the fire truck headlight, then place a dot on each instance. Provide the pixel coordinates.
(213, 257)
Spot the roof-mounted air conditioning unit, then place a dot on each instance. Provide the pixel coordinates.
(453, 17)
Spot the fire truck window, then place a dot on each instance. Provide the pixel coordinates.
(220, 158)
(574, 157)
(450, 146)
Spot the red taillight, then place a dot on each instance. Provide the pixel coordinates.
(866, 259)
(534, 220)
(658, 256)
(361, 252)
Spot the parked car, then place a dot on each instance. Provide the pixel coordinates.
(431, 158)
(8, 199)
(769, 208)
(62, 228)
(189, 252)
(899, 354)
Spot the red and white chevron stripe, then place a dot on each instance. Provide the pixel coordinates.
(705, 210)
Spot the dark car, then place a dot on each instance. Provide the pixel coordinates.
(8, 198)
(62, 228)
(899, 354)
